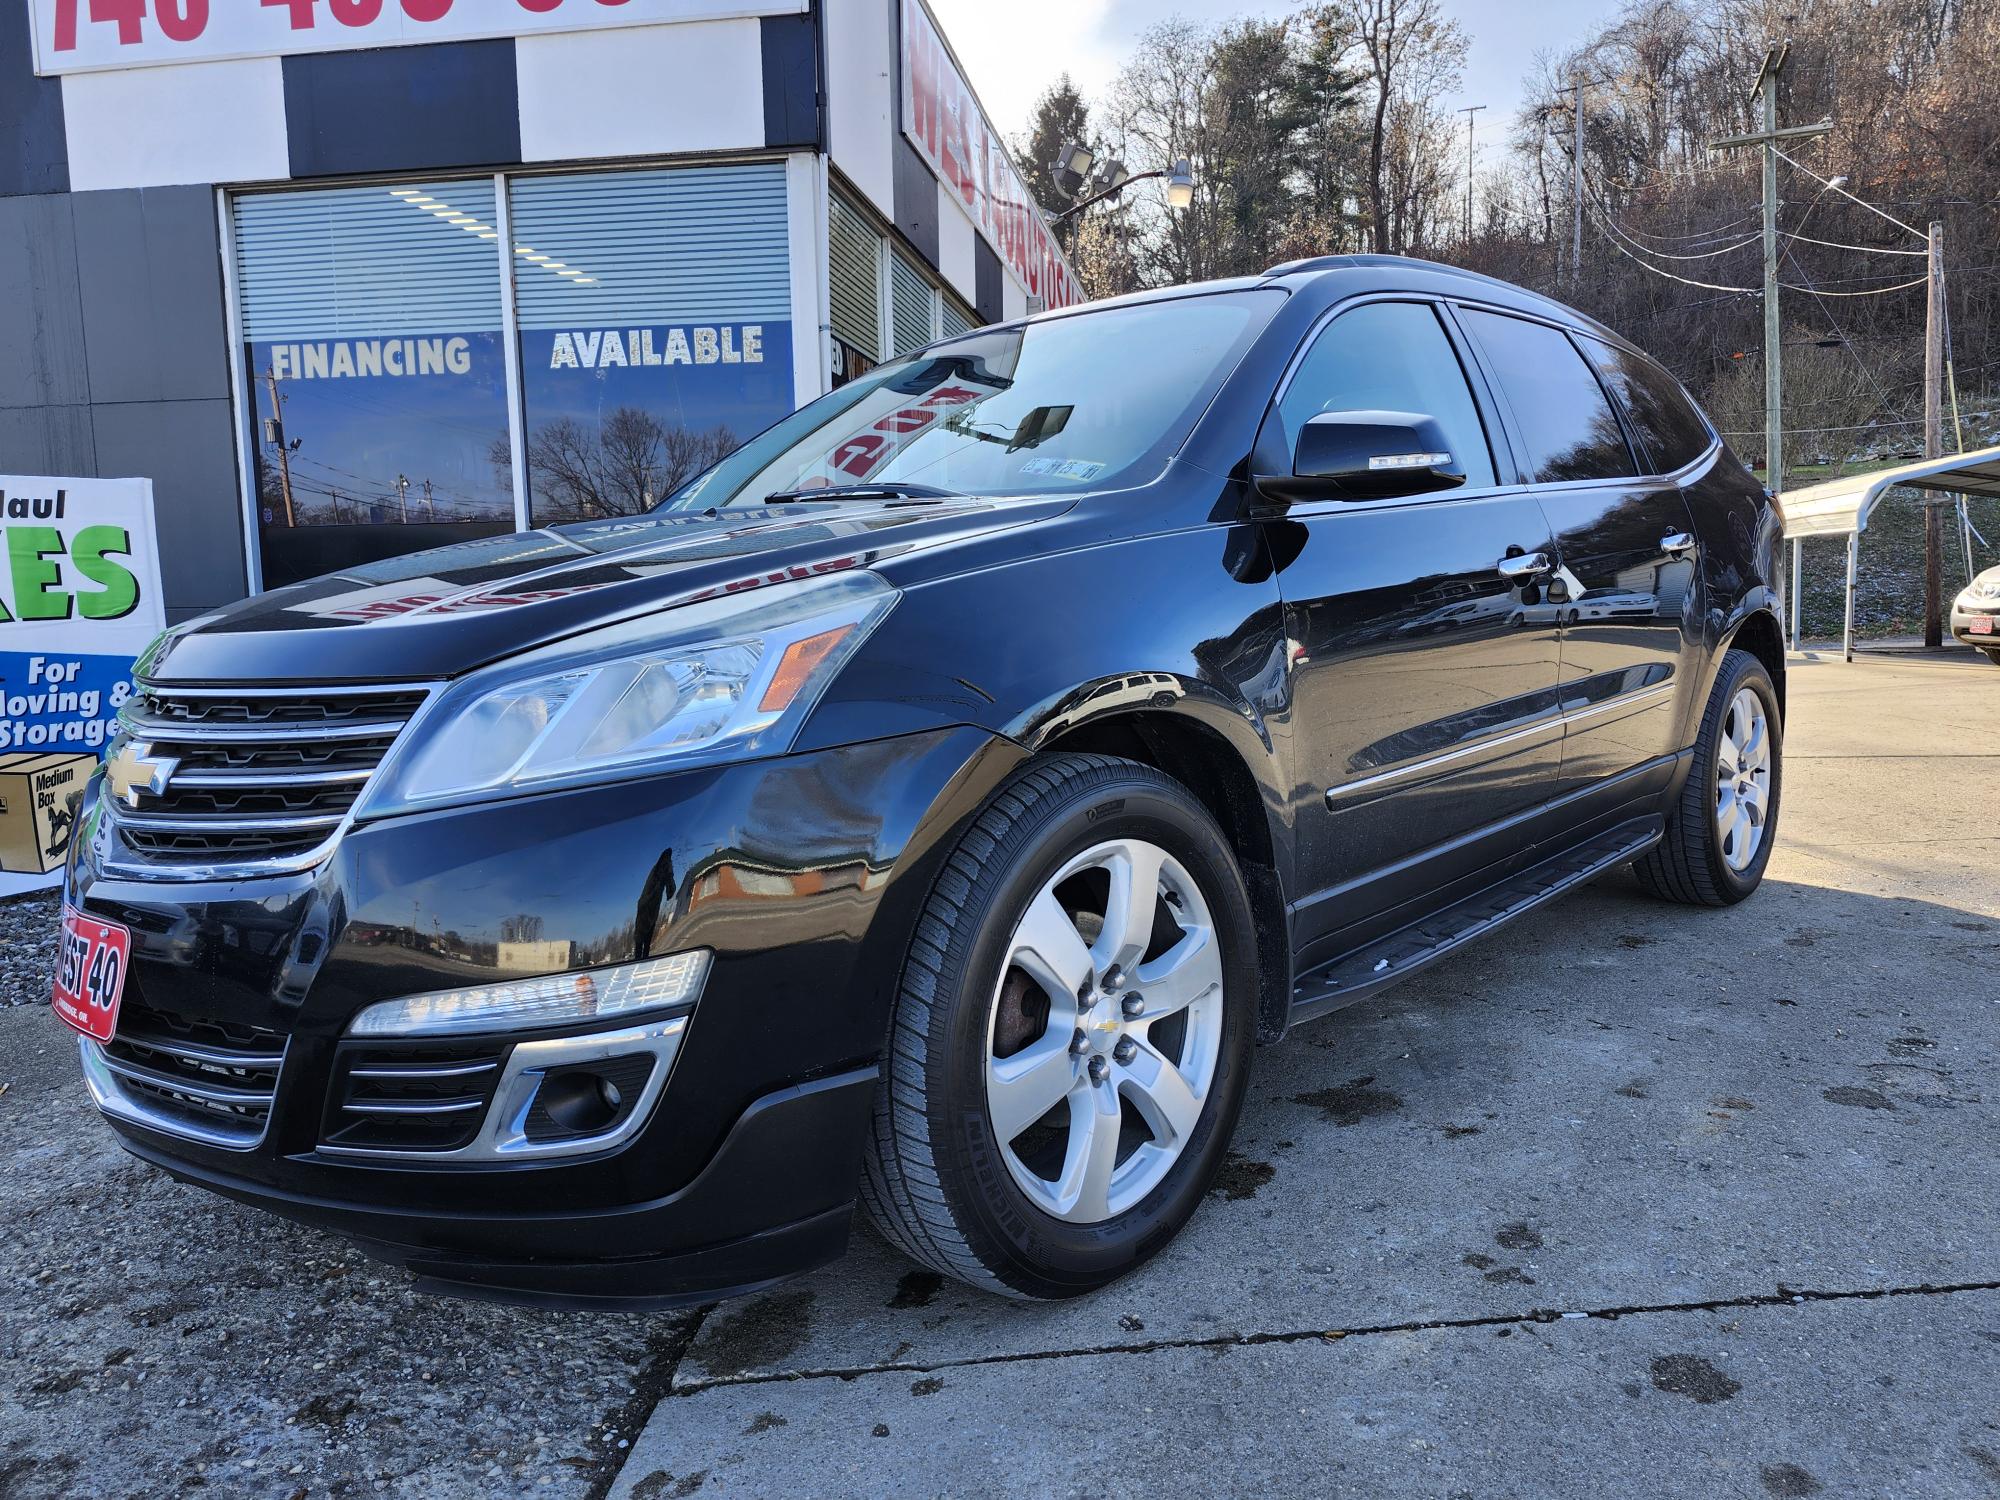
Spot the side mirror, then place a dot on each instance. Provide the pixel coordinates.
(1368, 455)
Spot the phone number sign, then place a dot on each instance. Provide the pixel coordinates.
(76, 36)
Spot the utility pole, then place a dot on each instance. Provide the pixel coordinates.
(403, 497)
(1576, 191)
(1934, 437)
(1766, 93)
(430, 505)
(1469, 111)
(284, 452)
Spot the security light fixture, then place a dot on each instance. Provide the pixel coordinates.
(1072, 165)
(1111, 175)
(1180, 185)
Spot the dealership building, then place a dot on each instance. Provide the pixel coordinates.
(346, 278)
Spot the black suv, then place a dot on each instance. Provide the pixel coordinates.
(932, 803)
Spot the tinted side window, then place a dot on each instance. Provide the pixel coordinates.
(1389, 356)
(1663, 419)
(1570, 429)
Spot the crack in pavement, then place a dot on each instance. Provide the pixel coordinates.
(1784, 1296)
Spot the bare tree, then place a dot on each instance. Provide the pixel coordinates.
(1409, 48)
(626, 464)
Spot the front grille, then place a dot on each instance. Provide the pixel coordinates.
(409, 1096)
(205, 1079)
(253, 775)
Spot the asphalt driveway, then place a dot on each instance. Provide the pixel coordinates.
(1629, 1199)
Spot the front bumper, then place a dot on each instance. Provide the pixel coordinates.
(1965, 610)
(802, 875)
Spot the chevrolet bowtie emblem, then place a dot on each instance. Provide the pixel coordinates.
(135, 769)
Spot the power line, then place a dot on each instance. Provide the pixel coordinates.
(1719, 231)
(1879, 291)
(1713, 286)
(1609, 225)
(1829, 182)
(1837, 245)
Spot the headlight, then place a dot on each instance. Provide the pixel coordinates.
(721, 679)
(591, 995)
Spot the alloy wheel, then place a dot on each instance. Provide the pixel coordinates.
(1105, 1031)
(1743, 779)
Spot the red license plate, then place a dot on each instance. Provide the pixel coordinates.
(1980, 625)
(91, 960)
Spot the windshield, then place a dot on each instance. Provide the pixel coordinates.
(1094, 401)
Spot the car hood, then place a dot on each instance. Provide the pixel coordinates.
(435, 614)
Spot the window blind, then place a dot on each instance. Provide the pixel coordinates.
(682, 245)
(371, 261)
(855, 255)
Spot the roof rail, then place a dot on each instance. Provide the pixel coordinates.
(1335, 262)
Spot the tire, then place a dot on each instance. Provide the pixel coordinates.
(937, 1179)
(1697, 864)
(1992, 656)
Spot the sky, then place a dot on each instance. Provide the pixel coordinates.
(1015, 50)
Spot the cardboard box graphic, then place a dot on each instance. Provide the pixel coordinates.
(35, 811)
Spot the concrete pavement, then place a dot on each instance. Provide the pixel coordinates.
(1629, 1199)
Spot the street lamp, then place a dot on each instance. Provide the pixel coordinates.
(1113, 178)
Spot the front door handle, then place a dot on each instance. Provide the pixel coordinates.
(1528, 566)
(1677, 543)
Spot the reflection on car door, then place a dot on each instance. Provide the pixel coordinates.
(1424, 677)
(1626, 595)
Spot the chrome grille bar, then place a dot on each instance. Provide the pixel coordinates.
(215, 1084)
(216, 782)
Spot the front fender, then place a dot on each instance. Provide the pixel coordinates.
(1187, 624)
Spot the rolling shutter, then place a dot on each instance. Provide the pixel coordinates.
(912, 303)
(957, 320)
(855, 256)
(682, 245)
(367, 262)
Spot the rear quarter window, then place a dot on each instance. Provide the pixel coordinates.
(1669, 427)
(1559, 407)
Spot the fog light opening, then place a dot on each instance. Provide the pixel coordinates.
(581, 1103)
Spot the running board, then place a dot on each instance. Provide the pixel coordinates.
(1377, 965)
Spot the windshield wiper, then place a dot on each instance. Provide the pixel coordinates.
(892, 490)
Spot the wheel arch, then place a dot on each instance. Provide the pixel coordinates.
(1202, 758)
(1758, 632)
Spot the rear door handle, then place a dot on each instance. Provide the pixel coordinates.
(1521, 569)
(1677, 543)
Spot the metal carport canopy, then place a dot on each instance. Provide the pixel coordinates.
(1841, 507)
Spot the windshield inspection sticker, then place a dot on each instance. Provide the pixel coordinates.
(1063, 468)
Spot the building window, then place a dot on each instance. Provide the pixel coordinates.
(913, 306)
(372, 327)
(655, 326)
(885, 303)
(854, 265)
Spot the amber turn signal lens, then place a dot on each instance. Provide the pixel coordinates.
(796, 666)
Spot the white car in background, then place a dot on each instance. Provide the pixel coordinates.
(1975, 614)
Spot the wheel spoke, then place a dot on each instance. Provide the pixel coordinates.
(1752, 752)
(1727, 757)
(1050, 951)
(1084, 1190)
(1022, 1088)
(1161, 1095)
(1185, 973)
(1129, 909)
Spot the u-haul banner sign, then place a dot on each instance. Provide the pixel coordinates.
(945, 123)
(79, 600)
(75, 36)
